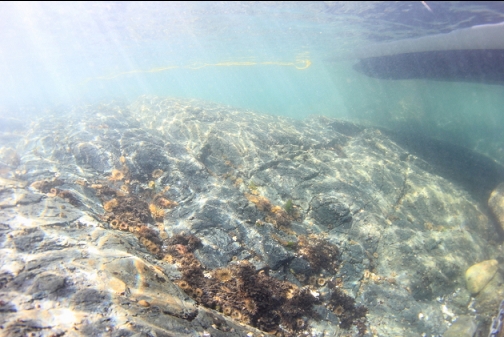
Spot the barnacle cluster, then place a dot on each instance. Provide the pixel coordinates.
(48, 187)
(253, 297)
(238, 290)
(45, 186)
(151, 246)
(348, 313)
(250, 296)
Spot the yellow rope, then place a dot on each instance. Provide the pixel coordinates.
(299, 64)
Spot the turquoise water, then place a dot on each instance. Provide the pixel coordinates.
(275, 58)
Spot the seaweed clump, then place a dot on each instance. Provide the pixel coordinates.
(132, 215)
(50, 188)
(321, 254)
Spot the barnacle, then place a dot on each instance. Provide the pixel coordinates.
(157, 173)
(52, 192)
(321, 281)
(114, 224)
(198, 292)
(123, 226)
(301, 277)
(183, 285)
(110, 205)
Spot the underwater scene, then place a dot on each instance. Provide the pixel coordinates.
(252, 169)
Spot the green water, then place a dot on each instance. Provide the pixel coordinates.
(274, 58)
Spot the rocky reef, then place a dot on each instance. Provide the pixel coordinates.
(182, 217)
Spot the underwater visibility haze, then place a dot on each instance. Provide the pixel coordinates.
(252, 168)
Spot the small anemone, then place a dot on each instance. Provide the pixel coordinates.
(123, 226)
(227, 311)
(223, 275)
(53, 192)
(183, 285)
(168, 258)
(154, 249)
(157, 173)
(110, 205)
(236, 315)
(165, 203)
(250, 306)
(198, 292)
(116, 175)
(157, 213)
(339, 310)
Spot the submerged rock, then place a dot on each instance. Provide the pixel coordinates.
(465, 326)
(479, 274)
(496, 204)
(155, 218)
